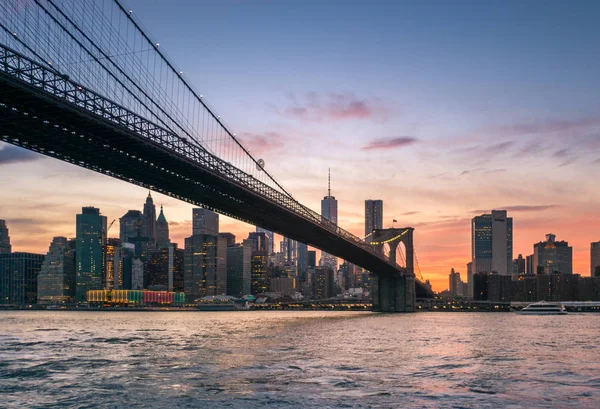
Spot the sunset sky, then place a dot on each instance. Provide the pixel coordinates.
(444, 110)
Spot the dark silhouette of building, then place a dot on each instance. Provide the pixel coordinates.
(553, 256)
(162, 231)
(56, 280)
(149, 221)
(90, 241)
(19, 277)
(5, 247)
(323, 283)
(239, 259)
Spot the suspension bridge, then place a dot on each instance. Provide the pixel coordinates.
(83, 82)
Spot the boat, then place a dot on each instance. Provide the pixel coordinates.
(544, 308)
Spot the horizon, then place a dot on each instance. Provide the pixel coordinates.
(484, 107)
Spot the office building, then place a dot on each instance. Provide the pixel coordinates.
(259, 276)
(239, 267)
(529, 267)
(5, 247)
(19, 277)
(200, 266)
(553, 257)
(149, 221)
(271, 236)
(455, 284)
(162, 231)
(56, 280)
(329, 211)
(156, 270)
(222, 242)
(89, 256)
(518, 267)
(373, 217)
(302, 261)
(112, 277)
(595, 259)
(491, 248)
(205, 222)
(178, 268)
(323, 283)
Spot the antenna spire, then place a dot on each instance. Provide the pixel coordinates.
(329, 183)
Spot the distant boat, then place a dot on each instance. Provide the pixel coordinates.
(544, 308)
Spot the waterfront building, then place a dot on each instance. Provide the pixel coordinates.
(156, 270)
(162, 231)
(239, 258)
(595, 259)
(56, 280)
(329, 211)
(373, 217)
(200, 266)
(112, 277)
(127, 257)
(205, 222)
(302, 261)
(19, 277)
(5, 247)
(283, 285)
(553, 256)
(178, 268)
(89, 256)
(149, 221)
(491, 244)
(323, 283)
(137, 274)
(259, 275)
(222, 243)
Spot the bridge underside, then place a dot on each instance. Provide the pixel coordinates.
(39, 121)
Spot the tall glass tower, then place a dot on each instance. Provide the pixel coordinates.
(89, 254)
(373, 217)
(329, 211)
(4, 238)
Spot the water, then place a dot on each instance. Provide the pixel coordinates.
(298, 359)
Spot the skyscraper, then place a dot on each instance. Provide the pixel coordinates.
(271, 236)
(131, 226)
(221, 279)
(329, 211)
(56, 281)
(162, 231)
(205, 221)
(373, 217)
(259, 278)
(200, 266)
(553, 256)
(112, 276)
(4, 238)
(595, 258)
(89, 256)
(19, 277)
(239, 268)
(149, 221)
(491, 250)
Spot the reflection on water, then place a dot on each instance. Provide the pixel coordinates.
(297, 359)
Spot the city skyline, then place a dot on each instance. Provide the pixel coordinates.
(398, 130)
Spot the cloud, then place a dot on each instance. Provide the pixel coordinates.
(409, 213)
(14, 154)
(260, 143)
(519, 208)
(390, 143)
(332, 106)
(561, 153)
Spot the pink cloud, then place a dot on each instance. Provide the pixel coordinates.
(390, 143)
(336, 106)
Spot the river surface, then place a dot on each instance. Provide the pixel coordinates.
(298, 359)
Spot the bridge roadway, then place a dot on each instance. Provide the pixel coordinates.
(44, 111)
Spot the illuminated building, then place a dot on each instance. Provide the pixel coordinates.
(149, 221)
(239, 268)
(200, 266)
(89, 256)
(491, 245)
(5, 247)
(283, 285)
(329, 211)
(595, 259)
(56, 280)
(19, 277)
(553, 256)
(259, 277)
(323, 283)
(137, 274)
(223, 242)
(373, 217)
(178, 268)
(162, 231)
(156, 270)
(113, 265)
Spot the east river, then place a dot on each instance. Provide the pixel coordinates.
(294, 359)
